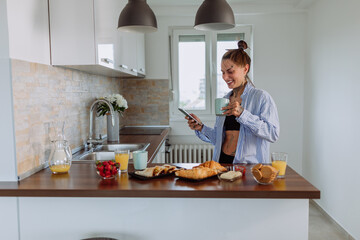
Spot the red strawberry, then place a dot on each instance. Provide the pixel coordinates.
(101, 168)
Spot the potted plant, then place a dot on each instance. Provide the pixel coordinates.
(119, 104)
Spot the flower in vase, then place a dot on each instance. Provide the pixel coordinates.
(118, 102)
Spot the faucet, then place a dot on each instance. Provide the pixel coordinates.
(91, 141)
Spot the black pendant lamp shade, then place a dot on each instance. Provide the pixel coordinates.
(214, 15)
(137, 16)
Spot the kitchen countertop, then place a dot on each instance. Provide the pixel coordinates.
(82, 181)
(132, 130)
(155, 140)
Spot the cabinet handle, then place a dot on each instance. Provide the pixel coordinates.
(106, 60)
(124, 66)
(134, 70)
(142, 69)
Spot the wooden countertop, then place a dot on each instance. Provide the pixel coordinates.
(154, 140)
(82, 181)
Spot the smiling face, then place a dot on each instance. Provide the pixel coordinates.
(234, 75)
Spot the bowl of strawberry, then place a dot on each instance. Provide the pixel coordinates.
(107, 169)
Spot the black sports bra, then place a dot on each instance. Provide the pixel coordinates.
(231, 123)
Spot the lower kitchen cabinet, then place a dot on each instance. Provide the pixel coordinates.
(57, 218)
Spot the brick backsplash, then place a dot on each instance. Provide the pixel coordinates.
(43, 94)
(148, 102)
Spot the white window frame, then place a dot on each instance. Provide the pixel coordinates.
(210, 75)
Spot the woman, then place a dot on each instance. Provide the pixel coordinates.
(250, 120)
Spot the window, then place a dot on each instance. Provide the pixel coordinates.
(192, 85)
(196, 71)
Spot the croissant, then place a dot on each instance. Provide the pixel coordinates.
(196, 173)
(213, 165)
(156, 171)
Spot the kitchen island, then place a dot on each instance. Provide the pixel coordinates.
(80, 205)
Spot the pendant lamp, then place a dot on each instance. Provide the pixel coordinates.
(214, 15)
(137, 16)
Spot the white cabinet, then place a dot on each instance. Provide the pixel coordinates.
(84, 36)
(56, 218)
(28, 25)
(140, 49)
(72, 32)
(134, 60)
(126, 51)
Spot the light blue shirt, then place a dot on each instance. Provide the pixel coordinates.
(259, 125)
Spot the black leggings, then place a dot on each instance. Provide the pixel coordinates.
(224, 158)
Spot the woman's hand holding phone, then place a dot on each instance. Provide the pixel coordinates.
(193, 124)
(193, 121)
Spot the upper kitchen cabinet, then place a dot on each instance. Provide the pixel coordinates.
(140, 48)
(84, 36)
(28, 25)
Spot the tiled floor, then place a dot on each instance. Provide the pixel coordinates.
(321, 227)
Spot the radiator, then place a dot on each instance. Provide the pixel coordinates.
(190, 153)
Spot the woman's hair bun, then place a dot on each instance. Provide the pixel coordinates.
(242, 45)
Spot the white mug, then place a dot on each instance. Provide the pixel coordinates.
(140, 159)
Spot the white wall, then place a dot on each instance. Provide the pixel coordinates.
(278, 64)
(8, 170)
(332, 112)
(9, 221)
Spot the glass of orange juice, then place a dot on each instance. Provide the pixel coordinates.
(122, 157)
(279, 161)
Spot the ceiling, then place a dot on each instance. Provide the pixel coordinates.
(198, 2)
(240, 7)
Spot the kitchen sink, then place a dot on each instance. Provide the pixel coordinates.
(107, 151)
(97, 156)
(124, 146)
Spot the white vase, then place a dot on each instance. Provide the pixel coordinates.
(113, 131)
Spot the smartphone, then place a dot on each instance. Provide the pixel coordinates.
(188, 115)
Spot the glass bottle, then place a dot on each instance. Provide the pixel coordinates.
(60, 157)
